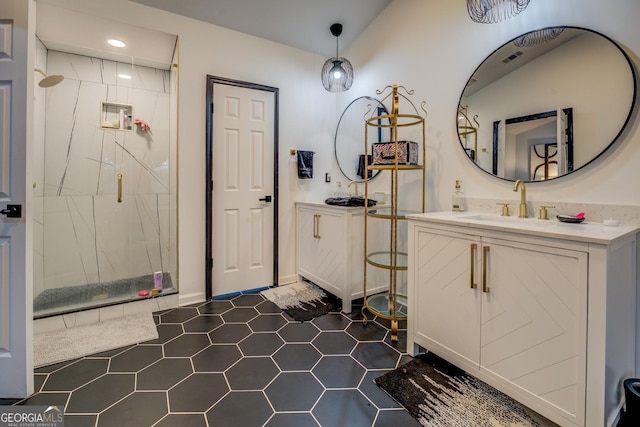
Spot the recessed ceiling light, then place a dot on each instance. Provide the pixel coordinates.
(116, 43)
(124, 76)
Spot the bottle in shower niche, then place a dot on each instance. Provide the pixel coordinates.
(457, 200)
(157, 280)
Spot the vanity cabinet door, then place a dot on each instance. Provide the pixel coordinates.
(321, 246)
(533, 333)
(444, 301)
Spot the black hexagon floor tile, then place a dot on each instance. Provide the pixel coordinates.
(376, 355)
(332, 322)
(101, 393)
(378, 396)
(163, 374)
(239, 314)
(268, 307)
(179, 315)
(292, 420)
(230, 333)
(216, 358)
(197, 393)
(202, 323)
(182, 420)
(248, 300)
(369, 331)
(334, 342)
(252, 373)
(304, 386)
(395, 418)
(72, 420)
(215, 307)
(344, 408)
(267, 322)
(261, 344)
(137, 409)
(47, 398)
(166, 333)
(186, 345)
(339, 372)
(136, 358)
(76, 374)
(299, 332)
(400, 344)
(240, 409)
(297, 357)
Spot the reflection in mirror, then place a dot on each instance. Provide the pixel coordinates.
(348, 142)
(577, 75)
(536, 147)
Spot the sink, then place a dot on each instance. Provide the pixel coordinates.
(508, 219)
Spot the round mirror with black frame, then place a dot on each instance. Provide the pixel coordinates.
(546, 104)
(348, 141)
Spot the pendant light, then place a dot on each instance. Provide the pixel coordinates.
(337, 72)
(492, 11)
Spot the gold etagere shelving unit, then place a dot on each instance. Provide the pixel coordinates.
(391, 305)
(468, 132)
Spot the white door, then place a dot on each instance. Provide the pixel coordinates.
(243, 188)
(17, 47)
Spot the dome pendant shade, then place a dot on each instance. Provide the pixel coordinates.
(337, 73)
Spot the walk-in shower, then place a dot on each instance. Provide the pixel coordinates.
(104, 185)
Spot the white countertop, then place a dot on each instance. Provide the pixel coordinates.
(584, 232)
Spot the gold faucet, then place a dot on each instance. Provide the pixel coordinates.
(354, 183)
(523, 198)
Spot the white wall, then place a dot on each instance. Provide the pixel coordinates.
(430, 46)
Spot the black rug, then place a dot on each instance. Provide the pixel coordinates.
(303, 301)
(437, 393)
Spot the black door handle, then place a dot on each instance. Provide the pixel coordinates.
(266, 199)
(12, 211)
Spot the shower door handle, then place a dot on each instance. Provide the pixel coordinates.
(119, 188)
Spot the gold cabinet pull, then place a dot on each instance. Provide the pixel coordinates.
(474, 248)
(485, 256)
(119, 188)
(316, 226)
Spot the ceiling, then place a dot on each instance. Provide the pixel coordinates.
(303, 24)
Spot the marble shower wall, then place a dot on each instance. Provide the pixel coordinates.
(83, 235)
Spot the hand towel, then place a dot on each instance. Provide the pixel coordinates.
(361, 166)
(305, 164)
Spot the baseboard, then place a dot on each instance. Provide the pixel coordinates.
(191, 298)
(285, 280)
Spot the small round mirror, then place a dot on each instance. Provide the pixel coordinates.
(546, 104)
(349, 138)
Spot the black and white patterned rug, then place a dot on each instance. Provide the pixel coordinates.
(438, 394)
(302, 300)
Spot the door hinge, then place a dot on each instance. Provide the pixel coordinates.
(210, 263)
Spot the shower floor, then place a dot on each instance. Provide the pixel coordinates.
(73, 298)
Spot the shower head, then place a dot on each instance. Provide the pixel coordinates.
(49, 81)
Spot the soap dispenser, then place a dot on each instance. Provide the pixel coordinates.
(457, 200)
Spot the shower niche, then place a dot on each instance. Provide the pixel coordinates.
(116, 116)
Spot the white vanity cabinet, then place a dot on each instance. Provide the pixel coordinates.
(547, 319)
(329, 248)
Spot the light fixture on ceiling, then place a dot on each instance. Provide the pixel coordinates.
(116, 43)
(337, 72)
(125, 76)
(492, 11)
(538, 37)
